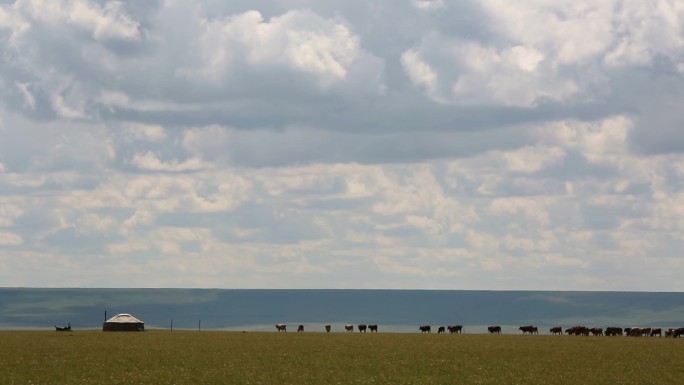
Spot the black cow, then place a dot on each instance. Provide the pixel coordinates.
(529, 329)
(349, 328)
(425, 328)
(281, 327)
(494, 329)
(327, 328)
(441, 329)
(455, 329)
(373, 328)
(362, 328)
(556, 330)
(300, 328)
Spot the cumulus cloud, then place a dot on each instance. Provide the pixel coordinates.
(150, 161)
(10, 239)
(148, 132)
(299, 40)
(102, 22)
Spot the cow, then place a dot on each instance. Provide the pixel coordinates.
(596, 331)
(281, 327)
(373, 328)
(578, 331)
(349, 328)
(441, 330)
(656, 332)
(678, 332)
(613, 331)
(327, 328)
(529, 329)
(639, 332)
(425, 328)
(494, 329)
(362, 328)
(455, 329)
(300, 328)
(556, 330)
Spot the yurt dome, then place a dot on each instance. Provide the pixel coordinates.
(123, 323)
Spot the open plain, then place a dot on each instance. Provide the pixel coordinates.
(219, 357)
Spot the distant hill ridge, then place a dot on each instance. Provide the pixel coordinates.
(392, 309)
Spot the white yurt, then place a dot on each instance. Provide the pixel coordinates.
(123, 323)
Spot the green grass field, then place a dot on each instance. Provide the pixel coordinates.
(213, 357)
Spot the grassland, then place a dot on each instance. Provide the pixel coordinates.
(212, 357)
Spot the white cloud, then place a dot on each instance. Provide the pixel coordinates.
(150, 161)
(534, 208)
(428, 5)
(29, 99)
(299, 40)
(9, 213)
(468, 73)
(103, 22)
(10, 239)
(148, 132)
(532, 159)
(211, 139)
(604, 141)
(420, 72)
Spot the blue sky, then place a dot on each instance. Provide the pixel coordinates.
(335, 144)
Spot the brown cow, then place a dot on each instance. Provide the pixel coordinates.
(639, 332)
(455, 329)
(656, 332)
(556, 330)
(327, 328)
(373, 328)
(578, 331)
(529, 329)
(425, 328)
(362, 328)
(300, 328)
(596, 331)
(349, 328)
(441, 330)
(494, 329)
(281, 327)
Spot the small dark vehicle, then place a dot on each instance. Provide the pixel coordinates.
(63, 328)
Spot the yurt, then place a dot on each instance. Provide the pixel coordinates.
(123, 323)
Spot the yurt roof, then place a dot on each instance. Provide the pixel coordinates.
(124, 318)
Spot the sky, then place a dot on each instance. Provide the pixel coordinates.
(399, 144)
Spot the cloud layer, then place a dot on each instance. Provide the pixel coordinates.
(307, 144)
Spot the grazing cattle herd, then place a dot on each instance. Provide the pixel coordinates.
(610, 331)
